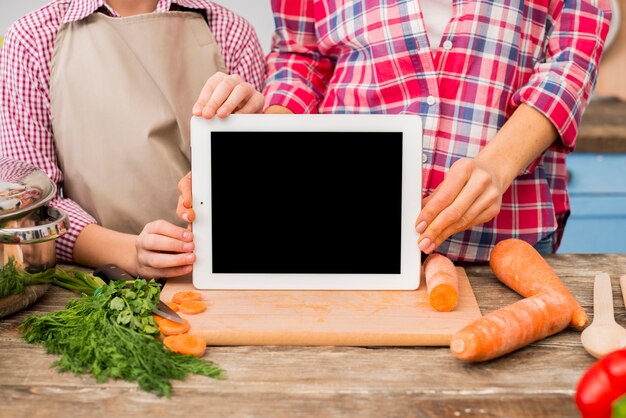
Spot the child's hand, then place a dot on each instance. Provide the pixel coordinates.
(184, 209)
(164, 250)
(225, 94)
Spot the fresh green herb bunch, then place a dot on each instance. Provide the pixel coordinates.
(109, 336)
(13, 280)
(131, 306)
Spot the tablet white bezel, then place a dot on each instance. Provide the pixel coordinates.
(411, 128)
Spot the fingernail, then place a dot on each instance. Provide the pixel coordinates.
(188, 247)
(186, 235)
(424, 245)
(430, 249)
(197, 109)
(185, 217)
(190, 258)
(421, 227)
(209, 111)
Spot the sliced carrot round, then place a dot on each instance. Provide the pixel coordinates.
(186, 344)
(180, 297)
(192, 307)
(168, 327)
(173, 305)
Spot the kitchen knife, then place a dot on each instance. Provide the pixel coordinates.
(110, 272)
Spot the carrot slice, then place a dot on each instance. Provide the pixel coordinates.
(186, 344)
(192, 307)
(174, 306)
(519, 266)
(442, 282)
(168, 327)
(180, 297)
(512, 327)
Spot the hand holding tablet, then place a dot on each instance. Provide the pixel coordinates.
(306, 201)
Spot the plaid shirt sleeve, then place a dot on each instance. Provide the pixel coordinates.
(560, 85)
(25, 125)
(298, 72)
(242, 51)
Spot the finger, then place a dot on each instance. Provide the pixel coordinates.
(206, 92)
(254, 105)
(184, 214)
(443, 196)
(154, 260)
(148, 272)
(484, 212)
(167, 229)
(239, 95)
(420, 225)
(220, 94)
(455, 212)
(184, 188)
(154, 242)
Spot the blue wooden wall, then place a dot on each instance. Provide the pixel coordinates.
(597, 189)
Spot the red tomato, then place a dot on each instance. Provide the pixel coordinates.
(604, 382)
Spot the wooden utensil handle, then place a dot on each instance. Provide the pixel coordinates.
(603, 299)
(622, 285)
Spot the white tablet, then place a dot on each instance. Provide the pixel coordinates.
(306, 201)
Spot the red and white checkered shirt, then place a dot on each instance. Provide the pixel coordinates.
(333, 56)
(25, 59)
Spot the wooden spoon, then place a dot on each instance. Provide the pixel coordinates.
(604, 335)
(622, 285)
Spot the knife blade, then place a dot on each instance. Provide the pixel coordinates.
(110, 272)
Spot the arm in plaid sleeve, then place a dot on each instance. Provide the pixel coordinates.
(25, 126)
(561, 84)
(297, 72)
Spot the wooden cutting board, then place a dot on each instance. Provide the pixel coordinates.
(315, 317)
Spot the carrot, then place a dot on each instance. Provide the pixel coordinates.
(442, 283)
(518, 265)
(174, 306)
(512, 327)
(185, 296)
(186, 344)
(192, 307)
(168, 327)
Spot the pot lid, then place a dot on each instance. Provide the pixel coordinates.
(23, 187)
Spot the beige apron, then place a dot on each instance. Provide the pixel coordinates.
(121, 94)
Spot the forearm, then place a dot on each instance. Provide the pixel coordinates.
(96, 246)
(523, 138)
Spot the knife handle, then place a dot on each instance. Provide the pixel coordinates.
(111, 272)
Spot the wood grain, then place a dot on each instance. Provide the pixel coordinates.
(603, 128)
(537, 381)
(14, 303)
(352, 318)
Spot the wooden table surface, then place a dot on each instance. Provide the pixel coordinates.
(536, 381)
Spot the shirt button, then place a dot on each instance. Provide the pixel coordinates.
(447, 45)
(424, 158)
(431, 100)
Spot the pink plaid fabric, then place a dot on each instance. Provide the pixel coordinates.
(25, 59)
(374, 57)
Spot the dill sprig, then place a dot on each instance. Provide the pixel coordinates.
(109, 335)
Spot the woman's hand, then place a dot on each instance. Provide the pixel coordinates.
(164, 250)
(183, 209)
(470, 195)
(225, 94)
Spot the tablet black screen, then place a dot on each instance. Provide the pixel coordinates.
(306, 202)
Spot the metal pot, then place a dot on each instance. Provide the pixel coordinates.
(28, 227)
